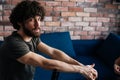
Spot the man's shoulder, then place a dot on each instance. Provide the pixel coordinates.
(13, 37)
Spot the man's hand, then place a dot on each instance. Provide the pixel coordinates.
(117, 69)
(89, 72)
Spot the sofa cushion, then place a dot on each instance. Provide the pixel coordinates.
(104, 73)
(110, 49)
(59, 40)
(42, 74)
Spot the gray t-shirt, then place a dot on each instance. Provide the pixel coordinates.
(15, 47)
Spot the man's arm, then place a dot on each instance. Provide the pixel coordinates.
(57, 54)
(34, 59)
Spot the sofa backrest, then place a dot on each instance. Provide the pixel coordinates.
(110, 49)
(86, 47)
(59, 40)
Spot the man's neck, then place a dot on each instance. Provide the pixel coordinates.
(24, 36)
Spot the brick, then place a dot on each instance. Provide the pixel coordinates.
(49, 18)
(88, 28)
(53, 3)
(110, 6)
(1, 18)
(53, 13)
(56, 18)
(77, 0)
(46, 29)
(119, 7)
(75, 9)
(1, 38)
(90, 9)
(52, 24)
(60, 8)
(68, 4)
(48, 9)
(6, 12)
(74, 28)
(82, 24)
(80, 32)
(9, 28)
(94, 33)
(75, 19)
(43, 3)
(59, 29)
(8, 7)
(67, 24)
(93, 1)
(75, 37)
(61, 0)
(112, 15)
(100, 37)
(7, 33)
(83, 14)
(96, 24)
(96, 14)
(7, 1)
(1, 8)
(1, 28)
(102, 28)
(15, 2)
(89, 19)
(67, 14)
(87, 37)
(1, 13)
(5, 18)
(71, 33)
(63, 19)
(1, 33)
(100, 19)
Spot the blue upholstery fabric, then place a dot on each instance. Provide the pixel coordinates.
(42, 74)
(86, 47)
(104, 73)
(110, 49)
(59, 40)
(83, 51)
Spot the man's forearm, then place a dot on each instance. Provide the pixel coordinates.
(64, 57)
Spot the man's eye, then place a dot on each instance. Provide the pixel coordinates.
(31, 19)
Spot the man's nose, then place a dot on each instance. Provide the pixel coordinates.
(37, 23)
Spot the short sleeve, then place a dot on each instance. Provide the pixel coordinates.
(16, 48)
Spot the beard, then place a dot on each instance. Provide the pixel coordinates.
(31, 33)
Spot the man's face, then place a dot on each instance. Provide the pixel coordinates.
(31, 27)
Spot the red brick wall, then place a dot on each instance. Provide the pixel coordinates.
(84, 19)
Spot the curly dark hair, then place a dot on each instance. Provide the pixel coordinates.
(24, 10)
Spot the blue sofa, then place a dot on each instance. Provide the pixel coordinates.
(101, 52)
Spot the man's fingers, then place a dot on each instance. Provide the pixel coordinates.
(92, 65)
